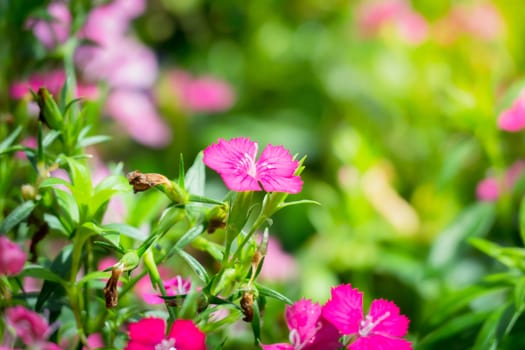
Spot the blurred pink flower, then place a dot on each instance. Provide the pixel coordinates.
(382, 328)
(94, 341)
(204, 94)
(29, 326)
(278, 265)
(52, 80)
(30, 142)
(512, 119)
(308, 329)
(235, 162)
(135, 112)
(487, 190)
(125, 63)
(12, 257)
(490, 188)
(373, 16)
(174, 286)
(149, 333)
(54, 31)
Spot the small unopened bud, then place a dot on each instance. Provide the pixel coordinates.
(247, 305)
(49, 112)
(110, 290)
(217, 217)
(28, 192)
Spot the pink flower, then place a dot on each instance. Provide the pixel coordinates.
(51, 80)
(202, 94)
(135, 113)
(125, 63)
(308, 329)
(12, 257)
(28, 325)
(487, 190)
(513, 118)
(54, 31)
(173, 286)
(94, 341)
(382, 328)
(234, 160)
(375, 15)
(149, 334)
(490, 188)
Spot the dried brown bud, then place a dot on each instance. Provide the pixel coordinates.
(110, 290)
(142, 182)
(247, 306)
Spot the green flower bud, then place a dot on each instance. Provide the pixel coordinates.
(49, 112)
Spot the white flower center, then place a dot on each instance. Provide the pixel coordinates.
(295, 338)
(368, 324)
(166, 344)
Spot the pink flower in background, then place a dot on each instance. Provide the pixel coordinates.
(308, 330)
(278, 265)
(512, 119)
(149, 333)
(12, 257)
(136, 113)
(30, 142)
(487, 190)
(54, 31)
(52, 80)
(94, 341)
(205, 94)
(173, 286)
(382, 328)
(373, 16)
(490, 188)
(125, 63)
(29, 326)
(235, 162)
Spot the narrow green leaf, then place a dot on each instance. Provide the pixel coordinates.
(10, 139)
(181, 172)
(256, 322)
(199, 270)
(95, 275)
(19, 214)
(189, 236)
(522, 219)
(50, 137)
(206, 200)
(474, 221)
(271, 293)
(126, 230)
(196, 176)
(42, 273)
(53, 182)
(519, 293)
(303, 201)
(495, 324)
(93, 140)
(452, 327)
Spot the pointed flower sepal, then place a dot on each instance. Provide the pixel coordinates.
(49, 112)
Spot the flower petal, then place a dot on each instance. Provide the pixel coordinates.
(275, 170)
(280, 346)
(302, 317)
(187, 336)
(394, 324)
(380, 342)
(234, 160)
(345, 309)
(146, 332)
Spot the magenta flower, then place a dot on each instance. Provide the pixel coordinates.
(382, 328)
(513, 118)
(12, 257)
(149, 334)
(234, 160)
(308, 329)
(29, 326)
